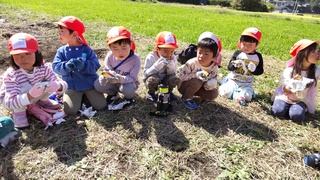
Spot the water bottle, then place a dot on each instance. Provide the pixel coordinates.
(84, 56)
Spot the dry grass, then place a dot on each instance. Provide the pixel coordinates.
(219, 139)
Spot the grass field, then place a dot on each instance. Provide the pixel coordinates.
(219, 140)
(187, 22)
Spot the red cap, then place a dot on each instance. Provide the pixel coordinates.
(74, 24)
(298, 46)
(253, 32)
(166, 39)
(117, 33)
(303, 43)
(22, 43)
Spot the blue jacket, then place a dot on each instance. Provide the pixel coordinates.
(79, 79)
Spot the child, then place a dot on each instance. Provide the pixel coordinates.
(77, 63)
(244, 64)
(7, 131)
(161, 65)
(199, 75)
(28, 81)
(121, 68)
(297, 93)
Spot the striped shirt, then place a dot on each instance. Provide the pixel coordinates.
(17, 82)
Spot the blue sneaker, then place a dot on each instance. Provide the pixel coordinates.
(189, 103)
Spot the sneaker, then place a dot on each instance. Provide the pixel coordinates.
(173, 97)
(50, 104)
(151, 97)
(112, 98)
(16, 133)
(130, 104)
(20, 119)
(127, 103)
(189, 103)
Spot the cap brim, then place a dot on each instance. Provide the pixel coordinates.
(248, 34)
(19, 51)
(168, 46)
(59, 23)
(112, 40)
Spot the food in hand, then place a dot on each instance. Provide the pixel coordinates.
(106, 73)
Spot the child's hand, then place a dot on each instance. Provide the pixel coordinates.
(211, 84)
(237, 63)
(252, 67)
(78, 63)
(37, 90)
(70, 65)
(103, 80)
(202, 75)
(52, 87)
(117, 78)
(160, 63)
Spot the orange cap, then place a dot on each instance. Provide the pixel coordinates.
(253, 32)
(166, 39)
(301, 44)
(74, 24)
(22, 43)
(298, 46)
(117, 33)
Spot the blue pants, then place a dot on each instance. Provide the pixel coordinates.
(296, 112)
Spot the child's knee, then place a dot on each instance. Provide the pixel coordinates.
(98, 86)
(278, 111)
(225, 91)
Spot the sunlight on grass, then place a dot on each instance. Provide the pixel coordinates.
(280, 32)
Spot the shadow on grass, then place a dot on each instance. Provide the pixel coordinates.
(168, 135)
(66, 139)
(6, 161)
(218, 120)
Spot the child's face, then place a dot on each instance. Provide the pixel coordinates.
(166, 52)
(204, 56)
(248, 47)
(25, 60)
(314, 57)
(120, 51)
(65, 36)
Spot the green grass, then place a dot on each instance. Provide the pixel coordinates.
(219, 140)
(186, 22)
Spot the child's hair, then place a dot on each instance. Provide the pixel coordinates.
(38, 62)
(123, 41)
(70, 30)
(303, 54)
(249, 39)
(208, 43)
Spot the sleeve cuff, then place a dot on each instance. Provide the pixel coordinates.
(24, 99)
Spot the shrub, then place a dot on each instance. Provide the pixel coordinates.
(223, 3)
(197, 2)
(146, 1)
(249, 5)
